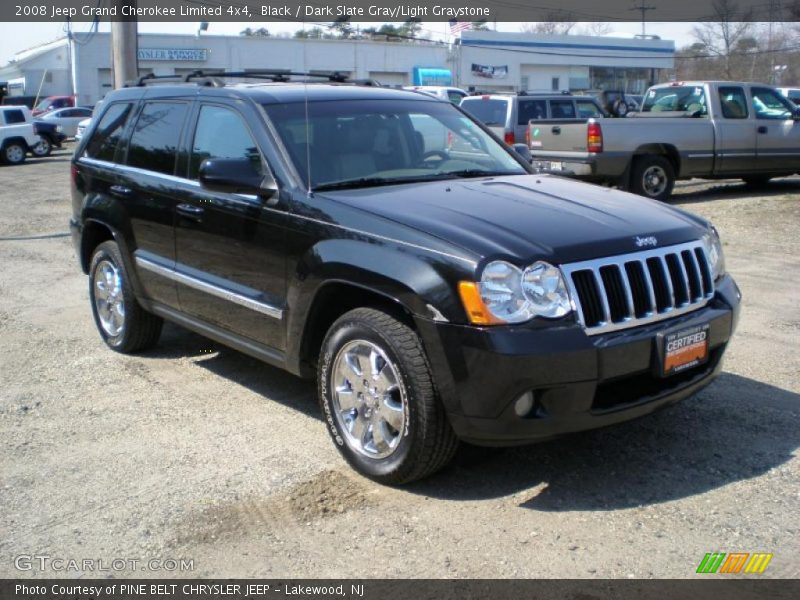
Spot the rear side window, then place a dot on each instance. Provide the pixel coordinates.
(221, 133)
(733, 102)
(14, 116)
(531, 109)
(154, 142)
(588, 109)
(108, 133)
(487, 111)
(562, 109)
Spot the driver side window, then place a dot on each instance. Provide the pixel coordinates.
(221, 133)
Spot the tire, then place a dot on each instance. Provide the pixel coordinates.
(620, 108)
(405, 432)
(758, 181)
(652, 176)
(14, 153)
(43, 148)
(123, 324)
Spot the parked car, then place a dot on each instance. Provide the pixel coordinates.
(17, 137)
(50, 137)
(792, 94)
(508, 115)
(82, 127)
(434, 297)
(452, 94)
(68, 118)
(707, 129)
(53, 103)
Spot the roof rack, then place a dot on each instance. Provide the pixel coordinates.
(215, 78)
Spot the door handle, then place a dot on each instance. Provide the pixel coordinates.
(556, 129)
(120, 191)
(762, 129)
(190, 211)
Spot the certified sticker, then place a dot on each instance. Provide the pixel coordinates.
(685, 349)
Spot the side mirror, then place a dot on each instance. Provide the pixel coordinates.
(235, 176)
(523, 151)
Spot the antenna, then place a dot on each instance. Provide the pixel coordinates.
(643, 8)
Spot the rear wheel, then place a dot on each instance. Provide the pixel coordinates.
(14, 153)
(652, 176)
(123, 324)
(379, 399)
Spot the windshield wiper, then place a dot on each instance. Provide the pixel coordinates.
(466, 173)
(372, 182)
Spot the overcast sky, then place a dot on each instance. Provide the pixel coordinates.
(20, 36)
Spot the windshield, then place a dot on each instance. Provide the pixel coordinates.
(362, 143)
(687, 98)
(487, 111)
(44, 104)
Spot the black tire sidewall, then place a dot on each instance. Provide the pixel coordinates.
(110, 251)
(357, 329)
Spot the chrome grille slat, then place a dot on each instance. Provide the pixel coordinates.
(644, 293)
(626, 284)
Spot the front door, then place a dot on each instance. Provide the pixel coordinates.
(778, 134)
(736, 130)
(229, 247)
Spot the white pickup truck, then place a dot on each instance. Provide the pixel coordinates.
(17, 137)
(705, 129)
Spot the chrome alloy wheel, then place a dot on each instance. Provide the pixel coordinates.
(369, 399)
(108, 297)
(654, 180)
(42, 147)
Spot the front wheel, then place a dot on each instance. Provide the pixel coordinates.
(124, 325)
(43, 147)
(379, 400)
(652, 176)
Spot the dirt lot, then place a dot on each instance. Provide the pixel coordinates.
(194, 451)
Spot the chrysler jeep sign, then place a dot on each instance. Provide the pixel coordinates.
(185, 54)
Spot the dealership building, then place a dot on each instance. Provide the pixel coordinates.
(480, 60)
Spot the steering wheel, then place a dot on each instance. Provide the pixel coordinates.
(442, 156)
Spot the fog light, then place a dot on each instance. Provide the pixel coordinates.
(524, 404)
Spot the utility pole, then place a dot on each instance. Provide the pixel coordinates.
(643, 8)
(124, 47)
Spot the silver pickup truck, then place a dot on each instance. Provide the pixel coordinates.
(706, 129)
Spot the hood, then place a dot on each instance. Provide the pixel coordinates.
(529, 217)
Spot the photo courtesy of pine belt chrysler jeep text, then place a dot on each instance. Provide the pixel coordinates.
(388, 244)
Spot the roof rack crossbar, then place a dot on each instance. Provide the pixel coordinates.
(214, 78)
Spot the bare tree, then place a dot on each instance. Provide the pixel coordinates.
(722, 35)
(597, 28)
(558, 23)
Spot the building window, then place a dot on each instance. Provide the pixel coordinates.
(555, 82)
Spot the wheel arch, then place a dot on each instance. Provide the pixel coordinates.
(668, 151)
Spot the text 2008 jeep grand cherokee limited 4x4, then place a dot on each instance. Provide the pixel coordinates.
(388, 243)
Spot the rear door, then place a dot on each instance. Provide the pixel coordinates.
(736, 133)
(528, 109)
(146, 188)
(230, 247)
(777, 133)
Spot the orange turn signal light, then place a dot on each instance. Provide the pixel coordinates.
(473, 303)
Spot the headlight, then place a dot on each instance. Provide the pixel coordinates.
(713, 248)
(506, 294)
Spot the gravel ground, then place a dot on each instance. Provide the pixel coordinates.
(194, 451)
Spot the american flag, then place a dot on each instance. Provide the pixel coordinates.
(459, 26)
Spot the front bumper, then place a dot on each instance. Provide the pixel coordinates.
(578, 382)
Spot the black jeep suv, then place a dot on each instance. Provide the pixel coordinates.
(390, 245)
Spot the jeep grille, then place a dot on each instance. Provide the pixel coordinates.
(626, 291)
